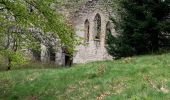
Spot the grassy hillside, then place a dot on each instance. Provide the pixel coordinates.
(145, 77)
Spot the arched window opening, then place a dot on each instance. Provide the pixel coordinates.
(87, 32)
(97, 26)
(108, 29)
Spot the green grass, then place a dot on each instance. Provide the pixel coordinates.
(136, 78)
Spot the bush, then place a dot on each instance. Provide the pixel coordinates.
(14, 58)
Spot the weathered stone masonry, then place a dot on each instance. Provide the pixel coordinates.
(91, 22)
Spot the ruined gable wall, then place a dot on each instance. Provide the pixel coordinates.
(91, 51)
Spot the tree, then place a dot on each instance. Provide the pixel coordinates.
(140, 26)
(27, 23)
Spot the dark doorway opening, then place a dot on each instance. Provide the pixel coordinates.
(36, 55)
(52, 54)
(36, 52)
(68, 59)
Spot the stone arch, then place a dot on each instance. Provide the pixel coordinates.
(87, 30)
(97, 26)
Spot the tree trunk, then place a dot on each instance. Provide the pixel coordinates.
(9, 64)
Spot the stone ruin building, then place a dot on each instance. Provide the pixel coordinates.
(91, 22)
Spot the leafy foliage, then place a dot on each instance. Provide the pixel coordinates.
(16, 57)
(143, 27)
(27, 23)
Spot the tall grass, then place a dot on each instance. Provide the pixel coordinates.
(136, 78)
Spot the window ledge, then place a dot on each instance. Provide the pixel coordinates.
(96, 39)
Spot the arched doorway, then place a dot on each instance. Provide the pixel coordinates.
(67, 57)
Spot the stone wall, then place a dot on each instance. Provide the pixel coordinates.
(93, 50)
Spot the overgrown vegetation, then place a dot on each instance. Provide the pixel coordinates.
(145, 77)
(25, 24)
(142, 27)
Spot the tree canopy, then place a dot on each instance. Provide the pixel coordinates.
(143, 27)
